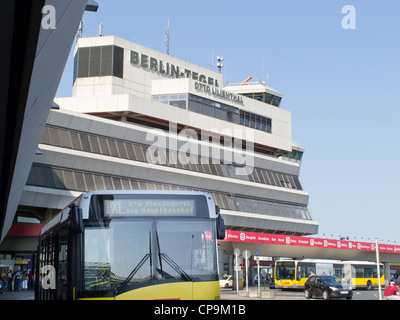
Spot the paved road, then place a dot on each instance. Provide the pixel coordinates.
(21, 295)
(229, 294)
(226, 294)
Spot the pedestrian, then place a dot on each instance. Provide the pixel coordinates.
(24, 281)
(30, 280)
(17, 284)
(392, 291)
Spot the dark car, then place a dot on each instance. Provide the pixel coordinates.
(327, 287)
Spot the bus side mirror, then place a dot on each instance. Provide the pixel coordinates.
(76, 220)
(220, 225)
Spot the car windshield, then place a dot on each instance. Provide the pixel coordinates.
(331, 279)
(225, 277)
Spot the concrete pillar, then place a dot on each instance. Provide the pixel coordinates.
(387, 273)
(221, 259)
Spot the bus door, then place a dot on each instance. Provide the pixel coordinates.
(52, 265)
(347, 270)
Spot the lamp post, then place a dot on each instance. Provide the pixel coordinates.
(379, 269)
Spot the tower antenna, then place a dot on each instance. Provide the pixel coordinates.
(166, 41)
(101, 30)
(211, 61)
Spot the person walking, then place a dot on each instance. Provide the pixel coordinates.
(13, 281)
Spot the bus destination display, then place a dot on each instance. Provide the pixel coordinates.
(150, 207)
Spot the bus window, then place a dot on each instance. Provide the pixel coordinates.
(285, 270)
(190, 246)
(304, 270)
(338, 270)
(111, 254)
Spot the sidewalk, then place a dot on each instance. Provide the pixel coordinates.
(20, 295)
(226, 294)
(229, 294)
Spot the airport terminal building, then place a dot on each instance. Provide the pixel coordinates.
(141, 119)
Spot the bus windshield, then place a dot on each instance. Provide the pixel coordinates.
(130, 252)
(285, 270)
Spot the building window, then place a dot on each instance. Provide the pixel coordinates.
(276, 101)
(213, 109)
(255, 121)
(264, 97)
(99, 61)
(175, 100)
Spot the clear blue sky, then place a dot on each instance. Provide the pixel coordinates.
(342, 87)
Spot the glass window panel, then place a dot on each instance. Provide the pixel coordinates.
(104, 146)
(220, 114)
(113, 147)
(117, 183)
(121, 149)
(75, 66)
(125, 184)
(268, 98)
(194, 237)
(106, 61)
(107, 262)
(99, 183)
(118, 64)
(179, 104)
(65, 139)
(83, 62)
(232, 117)
(135, 185)
(276, 101)
(95, 144)
(195, 107)
(108, 183)
(241, 118)
(208, 111)
(80, 181)
(94, 65)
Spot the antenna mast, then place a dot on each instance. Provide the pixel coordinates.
(101, 30)
(166, 41)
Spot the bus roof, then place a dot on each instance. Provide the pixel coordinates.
(83, 201)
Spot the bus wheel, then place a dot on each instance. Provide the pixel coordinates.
(325, 295)
(369, 285)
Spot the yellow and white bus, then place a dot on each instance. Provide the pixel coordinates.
(131, 245)
(294, 273)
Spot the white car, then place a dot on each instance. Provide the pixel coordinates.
(226, 281)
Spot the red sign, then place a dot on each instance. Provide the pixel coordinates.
(265, 238)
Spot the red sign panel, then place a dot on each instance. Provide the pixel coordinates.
(265, 238)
